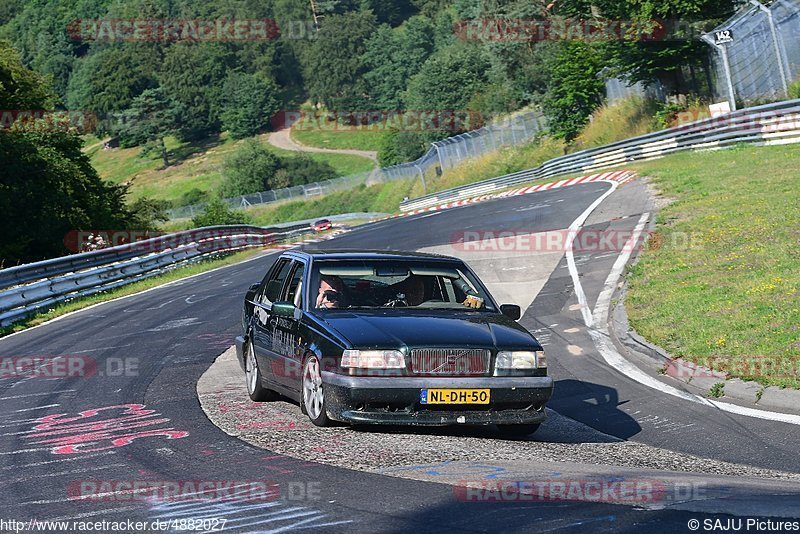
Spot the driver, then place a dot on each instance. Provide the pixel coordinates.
(331, 292)
(413, 289)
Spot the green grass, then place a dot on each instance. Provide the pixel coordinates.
(624, 119)
(344, 164)
(723, 289)
(339, 139)
(193, 165)
(612, 123)
(717, 390)
(383, 198)
(83, 302)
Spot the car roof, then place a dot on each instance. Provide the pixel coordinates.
(366, 254)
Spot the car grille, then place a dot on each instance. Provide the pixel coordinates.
(450, 362)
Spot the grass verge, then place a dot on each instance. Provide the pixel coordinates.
(339, 139)
(722, 289)
(193, 166)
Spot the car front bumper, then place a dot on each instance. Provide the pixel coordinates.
(396, 400)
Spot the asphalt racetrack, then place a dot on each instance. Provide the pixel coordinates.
(72, 448)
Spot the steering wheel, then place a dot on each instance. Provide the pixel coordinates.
(399, 302)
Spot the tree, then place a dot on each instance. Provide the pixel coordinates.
(659, 58)
(216, 213)
(146, 213)
(393, 13)
(333, 69)
(575, 89)
(193, 76)
(249, 169)
(392, 57)
(448, 80)
(247, 103)
(302, 169)
(47, 184)
(108, 79)
(54, 59)
(151, 117)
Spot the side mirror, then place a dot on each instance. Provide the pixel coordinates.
(283, 309)
(253, 287)
(512, 311)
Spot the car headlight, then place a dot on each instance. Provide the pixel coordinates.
(518, 359)
(373, 359)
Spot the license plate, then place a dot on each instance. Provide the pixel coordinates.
(454, 396)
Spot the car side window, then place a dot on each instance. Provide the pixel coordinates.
(294, 293)
(272, 289)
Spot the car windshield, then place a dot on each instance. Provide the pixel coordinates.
(376, 284)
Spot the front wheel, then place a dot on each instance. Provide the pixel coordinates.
(255, 389)
(518, 431)
(313, 398)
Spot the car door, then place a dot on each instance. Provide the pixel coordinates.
(286, 343)
(263, 322)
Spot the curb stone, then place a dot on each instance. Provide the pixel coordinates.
(637, 349)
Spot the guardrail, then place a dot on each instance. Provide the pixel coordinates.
(777, 123)
(31, 287)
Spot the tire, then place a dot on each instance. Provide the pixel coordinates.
(518, 431)
(312, 394)
(253, 379)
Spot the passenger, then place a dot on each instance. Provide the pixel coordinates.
(331, 292)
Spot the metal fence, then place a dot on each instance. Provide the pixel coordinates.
(770, 124)
(757, 53)
(35, 286)
(443, 154)
(618, 89)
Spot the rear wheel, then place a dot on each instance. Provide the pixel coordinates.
(518, 431)
(255, 389)
(313, 397)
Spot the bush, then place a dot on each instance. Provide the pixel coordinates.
(304, 170)
(217, 212)
(249, 169)
(248, 103)
(146, 213)
(402, 147)
(794, 90)
(575, 90)
(193, 196)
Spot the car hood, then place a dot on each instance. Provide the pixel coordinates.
(412, 329)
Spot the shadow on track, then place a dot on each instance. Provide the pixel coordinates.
(594, 405)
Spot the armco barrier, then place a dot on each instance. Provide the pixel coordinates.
(777, 123)
(28, 288)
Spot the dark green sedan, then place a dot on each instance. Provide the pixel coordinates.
(390, 338)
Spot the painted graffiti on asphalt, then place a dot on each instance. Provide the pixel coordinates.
(100, 429)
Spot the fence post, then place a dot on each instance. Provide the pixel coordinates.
(438, 155)
(774, 32)
(422, 177)
(727, 67)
